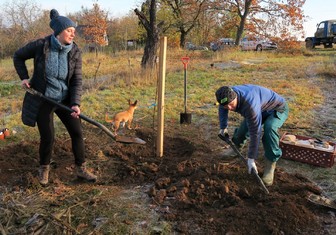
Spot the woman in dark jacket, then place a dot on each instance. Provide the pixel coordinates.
(58, 75)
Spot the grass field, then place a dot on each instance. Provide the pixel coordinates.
(113, 79)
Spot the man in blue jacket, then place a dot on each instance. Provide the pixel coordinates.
(261, 108)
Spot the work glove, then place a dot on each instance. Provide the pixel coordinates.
(224, 134)
(251, 166)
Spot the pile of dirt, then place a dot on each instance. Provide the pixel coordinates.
(192, 186)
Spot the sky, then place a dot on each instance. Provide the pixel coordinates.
(316, 10)
(116, 8)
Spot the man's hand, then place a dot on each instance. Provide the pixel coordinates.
(251, 166)
(76, 112)
(224, 135)
(224, 132)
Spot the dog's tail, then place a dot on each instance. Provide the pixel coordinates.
(107, 118)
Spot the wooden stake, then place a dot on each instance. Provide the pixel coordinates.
(161, 91)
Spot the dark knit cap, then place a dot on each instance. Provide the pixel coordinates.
(225, 95)
(59, 23)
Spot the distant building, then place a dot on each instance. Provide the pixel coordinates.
(131, 44)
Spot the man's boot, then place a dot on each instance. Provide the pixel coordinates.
(83, 173)
(268, 172)
(44, 174)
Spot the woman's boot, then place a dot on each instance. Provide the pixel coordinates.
(44, 174)
(83, 173)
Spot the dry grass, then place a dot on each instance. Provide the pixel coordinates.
(53, 211)
(110, 80)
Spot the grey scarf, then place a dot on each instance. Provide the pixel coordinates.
(57, 70)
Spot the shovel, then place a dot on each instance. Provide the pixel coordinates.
(228, 141)
(122, 139)
(322, 201)
(185, 117)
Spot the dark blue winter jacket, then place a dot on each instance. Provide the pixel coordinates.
(255, 103)
(39, 50)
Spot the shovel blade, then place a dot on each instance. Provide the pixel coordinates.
(322, 201)
(129, 140)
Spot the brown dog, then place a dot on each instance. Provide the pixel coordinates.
(123, 117)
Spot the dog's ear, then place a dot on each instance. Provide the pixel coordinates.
(135, 103)
(129, 101)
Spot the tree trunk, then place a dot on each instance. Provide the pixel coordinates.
(240, 30)
(243, 17)
(183, 36)
(152, 29)
(149, 56)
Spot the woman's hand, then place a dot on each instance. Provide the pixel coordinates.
(25, 83)
(77, 111)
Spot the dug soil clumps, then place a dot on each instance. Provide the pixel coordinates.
(191, 186)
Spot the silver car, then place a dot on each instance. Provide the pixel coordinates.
(257, 44)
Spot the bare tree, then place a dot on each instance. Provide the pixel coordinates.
(20, 24)
(120, 30)
(153, 32)
(186, 14)
(21, 13)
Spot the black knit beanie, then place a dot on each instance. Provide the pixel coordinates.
(59, 23)
(225, 95)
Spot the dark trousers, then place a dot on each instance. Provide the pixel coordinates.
(45, 123)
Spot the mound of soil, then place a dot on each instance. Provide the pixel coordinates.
(193, 187)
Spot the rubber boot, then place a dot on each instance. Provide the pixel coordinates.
(44, 174)
(268, 172)
(84, 174)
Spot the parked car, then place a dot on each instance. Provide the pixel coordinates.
(222, 43)
(190, 46)
(257, 44)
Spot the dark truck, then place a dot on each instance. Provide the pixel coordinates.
(325, 35)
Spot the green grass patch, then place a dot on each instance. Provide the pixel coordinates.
(8, 88)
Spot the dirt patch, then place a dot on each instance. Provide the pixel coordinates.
(191, 187)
